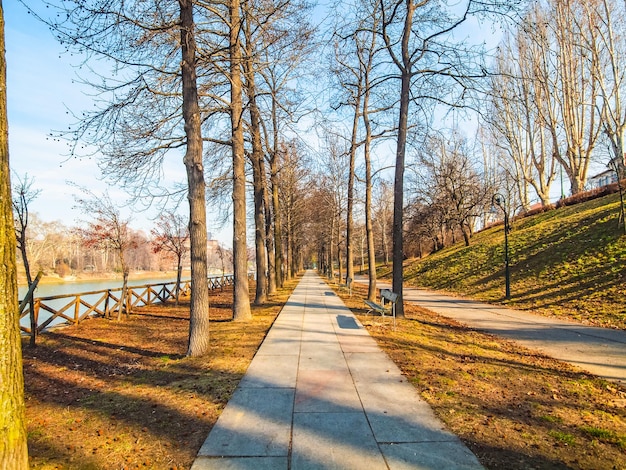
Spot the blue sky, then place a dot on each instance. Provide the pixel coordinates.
(39, 91)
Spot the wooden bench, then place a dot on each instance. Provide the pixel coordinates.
(386, 296)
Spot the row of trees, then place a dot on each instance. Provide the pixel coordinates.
(211, 80)
(555, 102)
(231, 102)
(397, 65)
(232, 99)
(53, 247)
(551, 104)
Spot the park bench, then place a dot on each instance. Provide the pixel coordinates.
(347, 286)
(386, 296)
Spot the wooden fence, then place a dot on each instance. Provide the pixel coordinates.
(74, 308)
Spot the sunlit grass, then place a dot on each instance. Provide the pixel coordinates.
(569, 262)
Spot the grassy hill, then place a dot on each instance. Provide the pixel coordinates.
(568, 262)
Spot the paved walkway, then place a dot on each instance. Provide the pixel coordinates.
(601, 351)
(320, 394)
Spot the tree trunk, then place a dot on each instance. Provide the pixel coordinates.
(124, 297)
(340, 261)
(179, 272)
(13, 449)
(398, 191)
(199, 307)
(350, 205)
(241, 296)
(259, 230)
(466, 234)
(369, 229)
(269, 240)
(278, 229)
(258, 173)
(22, 214)
(288, 244)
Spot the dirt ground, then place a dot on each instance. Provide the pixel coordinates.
(121, 395)
(515, 409)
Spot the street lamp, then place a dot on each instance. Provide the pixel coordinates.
(500, 201)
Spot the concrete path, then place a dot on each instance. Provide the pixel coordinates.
(601, 351)
(320, 394)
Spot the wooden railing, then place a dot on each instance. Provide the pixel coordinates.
(74, 308)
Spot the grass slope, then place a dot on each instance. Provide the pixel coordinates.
(569, 262)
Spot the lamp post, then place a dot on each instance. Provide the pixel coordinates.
(500, 201)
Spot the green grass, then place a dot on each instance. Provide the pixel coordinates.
(569, 262)
(606, 435)
(563, 437)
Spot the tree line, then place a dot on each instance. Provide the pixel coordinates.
(555, 102)
(64, 251)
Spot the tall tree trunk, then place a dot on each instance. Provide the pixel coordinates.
(241, 296)
(350, 205)
(21, 212)
(288, 244)
(404, 65)
(13, 449)
(369, 229)
(179, 272)
(258, 172)
(398, 192)
(199, 307)
(278, 229)
(331, 251)
(269, 240)
(340, 261)
(259, 230)
(124, 307)
(29, 279)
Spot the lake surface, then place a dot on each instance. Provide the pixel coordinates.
(76, 287)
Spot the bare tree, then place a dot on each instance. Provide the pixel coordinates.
(108, 230)
(382, 216)
(607, 43)
(576, 91)
(263, 30)
(241, 297)
(199, 307)
(521, 110)
(285, 47)
(23, 195)
(431, 63)
(147, 109)
(332, 189)
(358, 56)
(294, 186)
(13, 438)
(354, 89)
(171, 235)
(450, 182)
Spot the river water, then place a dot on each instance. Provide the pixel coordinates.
(71, 288)
(76, 287)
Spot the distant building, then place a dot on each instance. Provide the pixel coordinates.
(602, 179)
(608, 176)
